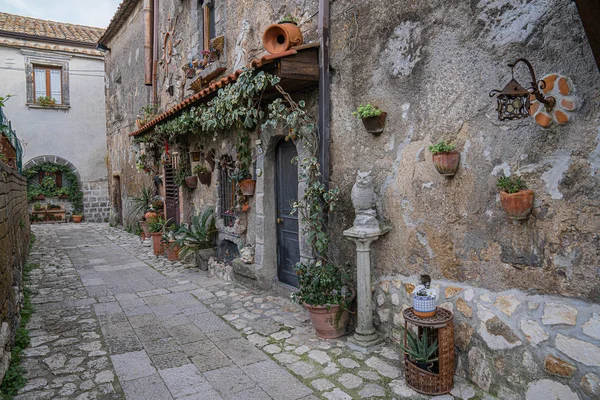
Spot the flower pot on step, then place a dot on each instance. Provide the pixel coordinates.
(517, 205)
(157, 244)
(375, 125)
(247, 186)
(191, 182)
(446, 163)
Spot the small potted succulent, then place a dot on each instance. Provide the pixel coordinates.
(445, 158)
(516, 200)
(424, 298)
(372, 118)
(77, 215)
(203, 173)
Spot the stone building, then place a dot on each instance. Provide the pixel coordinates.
(58, 62)
(525, 294)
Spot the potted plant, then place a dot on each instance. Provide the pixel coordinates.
(141, 205)
(245, 182)
(46, 101)
(157, 227)
(424, 299)
(282, 36)
(198, 238)
(155, 211)
(170, 243)
(419, 351)
(204, 174)
(77, 215)
(516, 200)
(445, 158)
(372, 118)
(63, 193)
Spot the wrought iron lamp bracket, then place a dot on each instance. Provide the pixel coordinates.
(548, 101)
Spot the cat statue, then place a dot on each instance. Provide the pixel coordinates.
(363, 200)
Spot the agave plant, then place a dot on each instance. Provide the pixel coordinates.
(198, 235)
(140, 204)
(419, 350)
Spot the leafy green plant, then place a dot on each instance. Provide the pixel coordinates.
(288, 18)
(419, 350)
(198, 235)
(147, 114)
(366, 111)
(200, 169)
(441, 147)
(141, 203)
(3, 157)
(157, 224)
(240, 174)
(46, 101)
(3, 99)
(511, 184)
(70, 183)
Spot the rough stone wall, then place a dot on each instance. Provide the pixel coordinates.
(96, 202)
(14, 243)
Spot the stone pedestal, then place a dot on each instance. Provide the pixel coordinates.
(366, 338)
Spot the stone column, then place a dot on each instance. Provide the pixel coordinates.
(366, 338)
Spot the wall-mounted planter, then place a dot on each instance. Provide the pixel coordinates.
(375, 125)
(281, 37)
(191, 182)
(517, 205)
(247, 186)
(446, 163)
(205, 177)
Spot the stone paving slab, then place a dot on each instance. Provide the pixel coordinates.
(166, 330)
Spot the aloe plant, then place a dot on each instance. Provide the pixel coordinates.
(198, 235)
(419, 350)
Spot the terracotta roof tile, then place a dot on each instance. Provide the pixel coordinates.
(214, 86)
(49, 29)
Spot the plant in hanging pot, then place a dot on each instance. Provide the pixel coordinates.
(424, 298)
(372, 118)
(515, 199)
(245, 182)
(445, 158)
(157, 227)
(198, 238)
(204, 174)
(419, 350)
(191, 181)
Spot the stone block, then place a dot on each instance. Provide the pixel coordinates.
(557, 366)
(556, 314)
(548, 389)
(584, 352)
(507, 304)
(534, 332)
(592, 326)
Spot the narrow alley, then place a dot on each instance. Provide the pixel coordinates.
(113, 321)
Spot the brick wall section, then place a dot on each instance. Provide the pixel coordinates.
(14, 243)
(96, 202)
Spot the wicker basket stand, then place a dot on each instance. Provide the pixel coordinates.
(441, 327)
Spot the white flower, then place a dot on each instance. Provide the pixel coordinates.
(421, 290)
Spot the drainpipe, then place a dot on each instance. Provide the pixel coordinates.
(324, 92)
(149, 41)
(155, 56)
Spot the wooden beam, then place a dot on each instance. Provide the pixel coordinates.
(589, 11)
(206, 24)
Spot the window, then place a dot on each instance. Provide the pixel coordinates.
(227, 191)
(208, 23)
(47, 82)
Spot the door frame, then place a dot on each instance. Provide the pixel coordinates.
(117, 197)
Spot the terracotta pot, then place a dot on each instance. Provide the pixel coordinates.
(517, 205)
(191, 182)
(205, 178)
(40, 197)
(281, 37)
(157, 244)
(76, 218)
(145, 228)
(151, 215)
(172, 250)
(329, 323)
(446, 163)
(375, 125)
(423, 306)
(247, 186)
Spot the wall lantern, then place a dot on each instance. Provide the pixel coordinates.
(514, 100)
(195, 154)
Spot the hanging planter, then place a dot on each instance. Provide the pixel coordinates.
(515, 199)
(203, 173)
(445, 159)
(372, 118)
(282, 36)
(247, 186)
(191, 182)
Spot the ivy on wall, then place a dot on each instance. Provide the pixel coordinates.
(71, 188)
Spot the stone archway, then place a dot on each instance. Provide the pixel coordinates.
(52, 159)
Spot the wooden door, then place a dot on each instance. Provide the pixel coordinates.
(288, 245)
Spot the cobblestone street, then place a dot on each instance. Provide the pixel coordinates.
(113, 321)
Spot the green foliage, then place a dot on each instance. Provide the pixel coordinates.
(147, 113)
(3, 157)
(418, 349)
(200, 169)
(15, 379)
(366, 111)
(4, 99)
(70, 184)
(288, 18)
(198, 235)
(157, 224)
(46, 101)
(441, 147)
(141, 203)
(511, 184)
(244, 155)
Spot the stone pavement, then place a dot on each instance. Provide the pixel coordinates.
(113, 321)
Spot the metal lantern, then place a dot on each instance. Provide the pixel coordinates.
(195, 154)
(514, 100)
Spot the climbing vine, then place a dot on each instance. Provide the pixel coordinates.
(240, 106)
(71, 187)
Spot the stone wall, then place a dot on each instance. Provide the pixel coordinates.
(14, 243)
(96, 203)
(509, 343)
